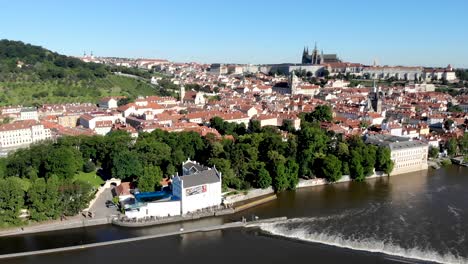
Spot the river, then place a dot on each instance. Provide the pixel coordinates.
(411, 218)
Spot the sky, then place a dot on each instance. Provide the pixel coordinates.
(396, 32)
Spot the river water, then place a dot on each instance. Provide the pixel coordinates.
(413, 218)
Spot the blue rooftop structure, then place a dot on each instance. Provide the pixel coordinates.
(146, 197)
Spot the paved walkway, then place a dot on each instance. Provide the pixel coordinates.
(100, 209)
(102, 214)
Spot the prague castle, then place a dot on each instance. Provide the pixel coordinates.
(316, 58)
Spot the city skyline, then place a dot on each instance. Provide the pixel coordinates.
(417, 33)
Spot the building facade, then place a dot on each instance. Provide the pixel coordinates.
(28, 113)
(199, 187)
(408, 155)
(22, 134)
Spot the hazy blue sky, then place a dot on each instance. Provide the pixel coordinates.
(408, 32)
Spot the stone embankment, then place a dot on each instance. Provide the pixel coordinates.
(55, 226)
(127, 240)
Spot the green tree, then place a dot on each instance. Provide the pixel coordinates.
(280, 178)
(384, 160)
(451, 146)
(342, 151)
(448, 124)
(229, 177)
(74, 196)
(254, 126)
(312, 142)
(356, 170)
(464, 144)
(37, 200)
(263, 179)
(369, 153)
(433, 152)
(63, 162)
(89, 166)
(11, 201)
(125, 165)
(218, 124)
(454, 108)
(152, 152)
(292, 172)
(3, 168)
(321, 113)
(52, 197)
(150, 179)
(288, 126)
(330, 168)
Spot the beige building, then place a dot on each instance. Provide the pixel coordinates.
(407, 155)
(68, 120)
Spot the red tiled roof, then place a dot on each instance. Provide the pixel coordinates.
(18, 125)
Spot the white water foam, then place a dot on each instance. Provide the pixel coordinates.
(369, 245)
(454, 210)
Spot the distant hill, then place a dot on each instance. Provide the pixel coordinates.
(31, 75)
(18, 57)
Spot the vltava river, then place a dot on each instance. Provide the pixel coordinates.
(412, 218)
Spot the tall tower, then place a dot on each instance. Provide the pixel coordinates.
(306, 59)
(182, 93)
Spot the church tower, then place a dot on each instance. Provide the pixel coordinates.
(305, 56)
(374, 101)
(293, 83)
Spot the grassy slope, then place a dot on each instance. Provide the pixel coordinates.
(90, 177)
(33, 91)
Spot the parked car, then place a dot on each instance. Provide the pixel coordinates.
(110, 204)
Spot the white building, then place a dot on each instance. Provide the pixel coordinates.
(159, 209)
(109, 102)
(100, 122)
(199, 187)
(397, 72)
(22, 133)
(28, 113)
(266, 120)
(139, 108)
(218, 69)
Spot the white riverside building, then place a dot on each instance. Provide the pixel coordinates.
(198, 188)
(408, 155)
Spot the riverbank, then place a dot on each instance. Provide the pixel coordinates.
(120, 241)
(255, 193)
(245, 201)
